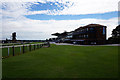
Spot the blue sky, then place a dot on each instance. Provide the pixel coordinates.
(38, 19)
(47, 6)
(105, 16)
(54, 6)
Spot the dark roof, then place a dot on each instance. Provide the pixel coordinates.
(90, 25)
(93, 25)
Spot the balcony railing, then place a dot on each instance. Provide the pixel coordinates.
(77, 33)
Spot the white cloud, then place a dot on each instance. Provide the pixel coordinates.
(73, 7)
(38, 12)
(42, 29)
(91, 7)
(14, 19)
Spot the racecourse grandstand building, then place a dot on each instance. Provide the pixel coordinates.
(89, 34)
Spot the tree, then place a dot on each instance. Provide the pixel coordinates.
(116, 32)
(115, 39)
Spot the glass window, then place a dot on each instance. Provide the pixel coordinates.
(87, 29)
(87, 36)
(103, 30)
(91, 29)
(84, 36)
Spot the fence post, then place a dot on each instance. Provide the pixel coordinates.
(40, 45)
(23, 49)
(34, 46)
(37, 46)
(20, 49)
(30, 47)
(48, 44)
(13, 50)
(8, 51)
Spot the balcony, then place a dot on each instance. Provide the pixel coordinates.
(87, 32)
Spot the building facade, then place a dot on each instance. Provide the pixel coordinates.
(90, 34)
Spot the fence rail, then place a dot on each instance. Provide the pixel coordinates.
(14, 50)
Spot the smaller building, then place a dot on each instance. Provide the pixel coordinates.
(68, 37)
(60, 36)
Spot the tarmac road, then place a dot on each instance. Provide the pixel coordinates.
(84, 45)
(61, 44)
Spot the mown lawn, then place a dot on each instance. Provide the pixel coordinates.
(64, 62)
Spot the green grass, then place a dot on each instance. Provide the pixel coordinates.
(17, 50)
(64, 62)
(36, 42)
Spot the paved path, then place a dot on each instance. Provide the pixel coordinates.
(84, 45)
(61, 44)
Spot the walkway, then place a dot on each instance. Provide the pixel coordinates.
(84, 45)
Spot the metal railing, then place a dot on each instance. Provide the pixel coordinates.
(14, 50)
